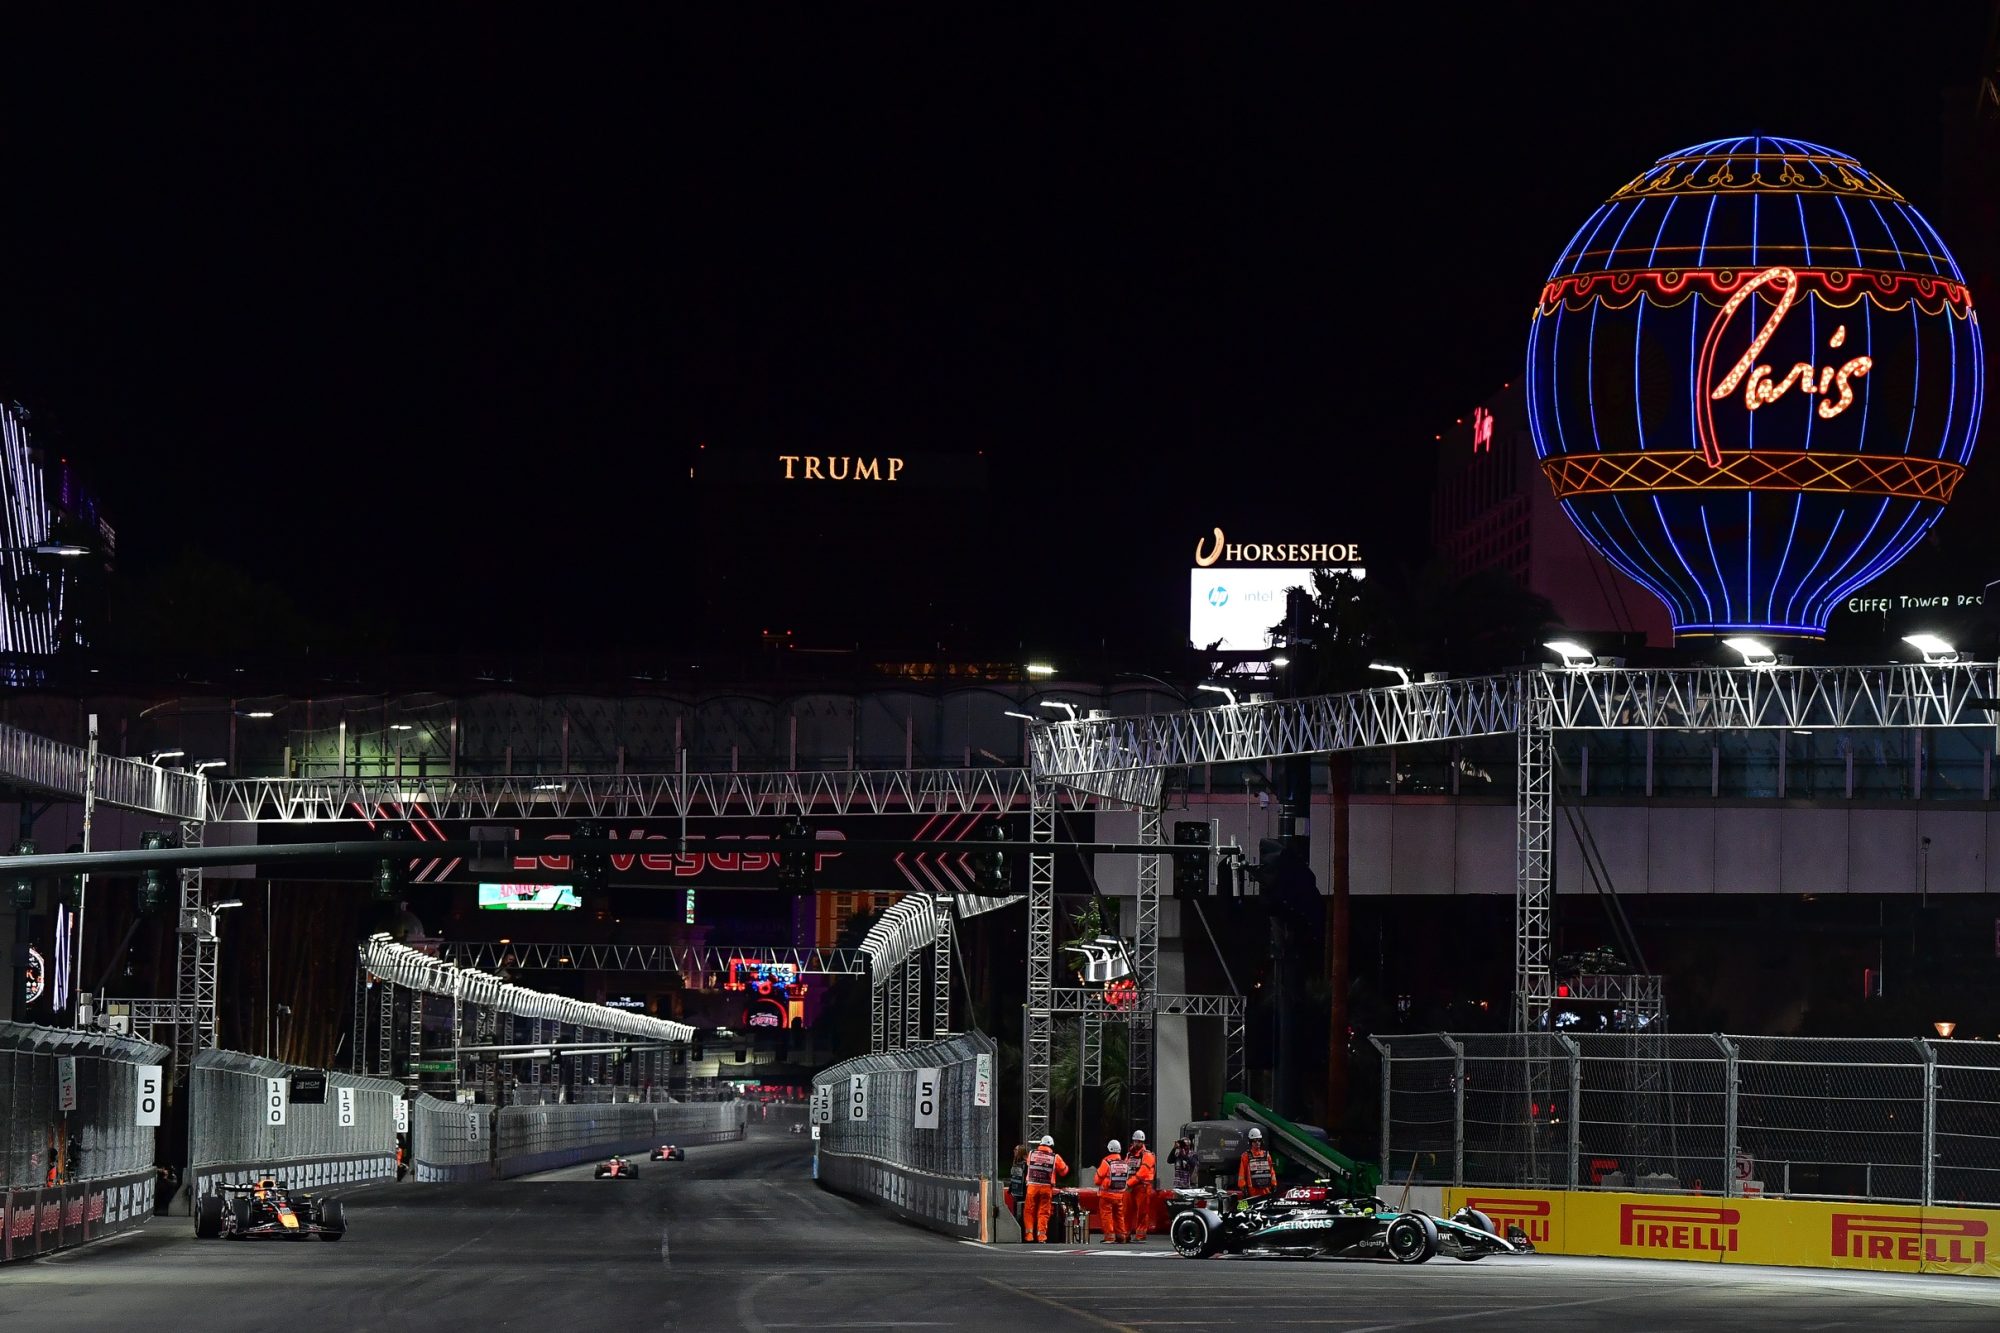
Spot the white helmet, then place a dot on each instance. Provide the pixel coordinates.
(1048, 1141)
(1256, 1134)
(1113, 1146)
(1138, 1136)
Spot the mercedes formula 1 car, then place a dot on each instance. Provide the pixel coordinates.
(1313, 1222)
(668, 1152)
(267, 1208)
(616, 1168)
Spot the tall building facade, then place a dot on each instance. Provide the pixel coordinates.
(1493, 509)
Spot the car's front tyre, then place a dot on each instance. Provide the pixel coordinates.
(332, 1220)
(1410, 1239)
(208, 1217)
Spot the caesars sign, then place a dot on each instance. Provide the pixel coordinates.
(1234, 604)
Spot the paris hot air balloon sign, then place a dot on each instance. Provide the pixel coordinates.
(1754, 381)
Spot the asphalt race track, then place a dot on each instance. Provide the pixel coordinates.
(737, 1237)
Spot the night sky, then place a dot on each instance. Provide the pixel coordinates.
(424, 314)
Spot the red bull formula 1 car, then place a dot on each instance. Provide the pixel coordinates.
(616, 1168)
(668, 1152)
(267, 1209)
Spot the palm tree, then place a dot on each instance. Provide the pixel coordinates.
(1429, 618)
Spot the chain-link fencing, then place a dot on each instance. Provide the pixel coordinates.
(470, 1141)
(1966, 1126)
(78, 1118)
(450, 1140)
(99, 1077)
(243, 1122)
(541, 1138)
(1880, 1119)
(915, 1129)
(556, 1094)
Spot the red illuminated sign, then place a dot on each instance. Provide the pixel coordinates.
(1482, 431)
(686, 865)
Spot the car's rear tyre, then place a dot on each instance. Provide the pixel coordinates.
(244, 1216)
(208, 1217)
(1410, 1239)
(1192, 1236)
(332, 1219)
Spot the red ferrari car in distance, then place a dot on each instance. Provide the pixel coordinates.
(616, 1168)
(668, 1152)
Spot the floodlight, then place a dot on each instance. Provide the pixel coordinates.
(1394, 670)
(1223, 690)
(1932, 647)
(1058, 703)
(1571, 652)
(1755, 651)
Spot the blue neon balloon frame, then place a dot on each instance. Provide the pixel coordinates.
(1805, 508)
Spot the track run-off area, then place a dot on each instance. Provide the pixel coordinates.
(738, 1237)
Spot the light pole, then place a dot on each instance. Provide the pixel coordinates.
(1166, 685)
(215, 911)
(270, 1019)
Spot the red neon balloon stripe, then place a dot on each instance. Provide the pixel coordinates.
(1888, 289)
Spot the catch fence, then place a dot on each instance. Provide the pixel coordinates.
(1880, 1119)
(915, 1129)
(471, 1141)
(242, 1123)
(78, 1117)
(101, 1134)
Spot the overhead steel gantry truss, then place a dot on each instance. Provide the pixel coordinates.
(56, 768)
(1577, 699)
(685, 960)
(1127, 753)
(37, 764)
(891, 791)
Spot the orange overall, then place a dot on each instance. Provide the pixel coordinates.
(1255, 1174)
(1045, 1166)
(1139, 1191)
(1113, 1174)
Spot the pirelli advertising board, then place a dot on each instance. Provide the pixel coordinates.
(1793, 1233)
